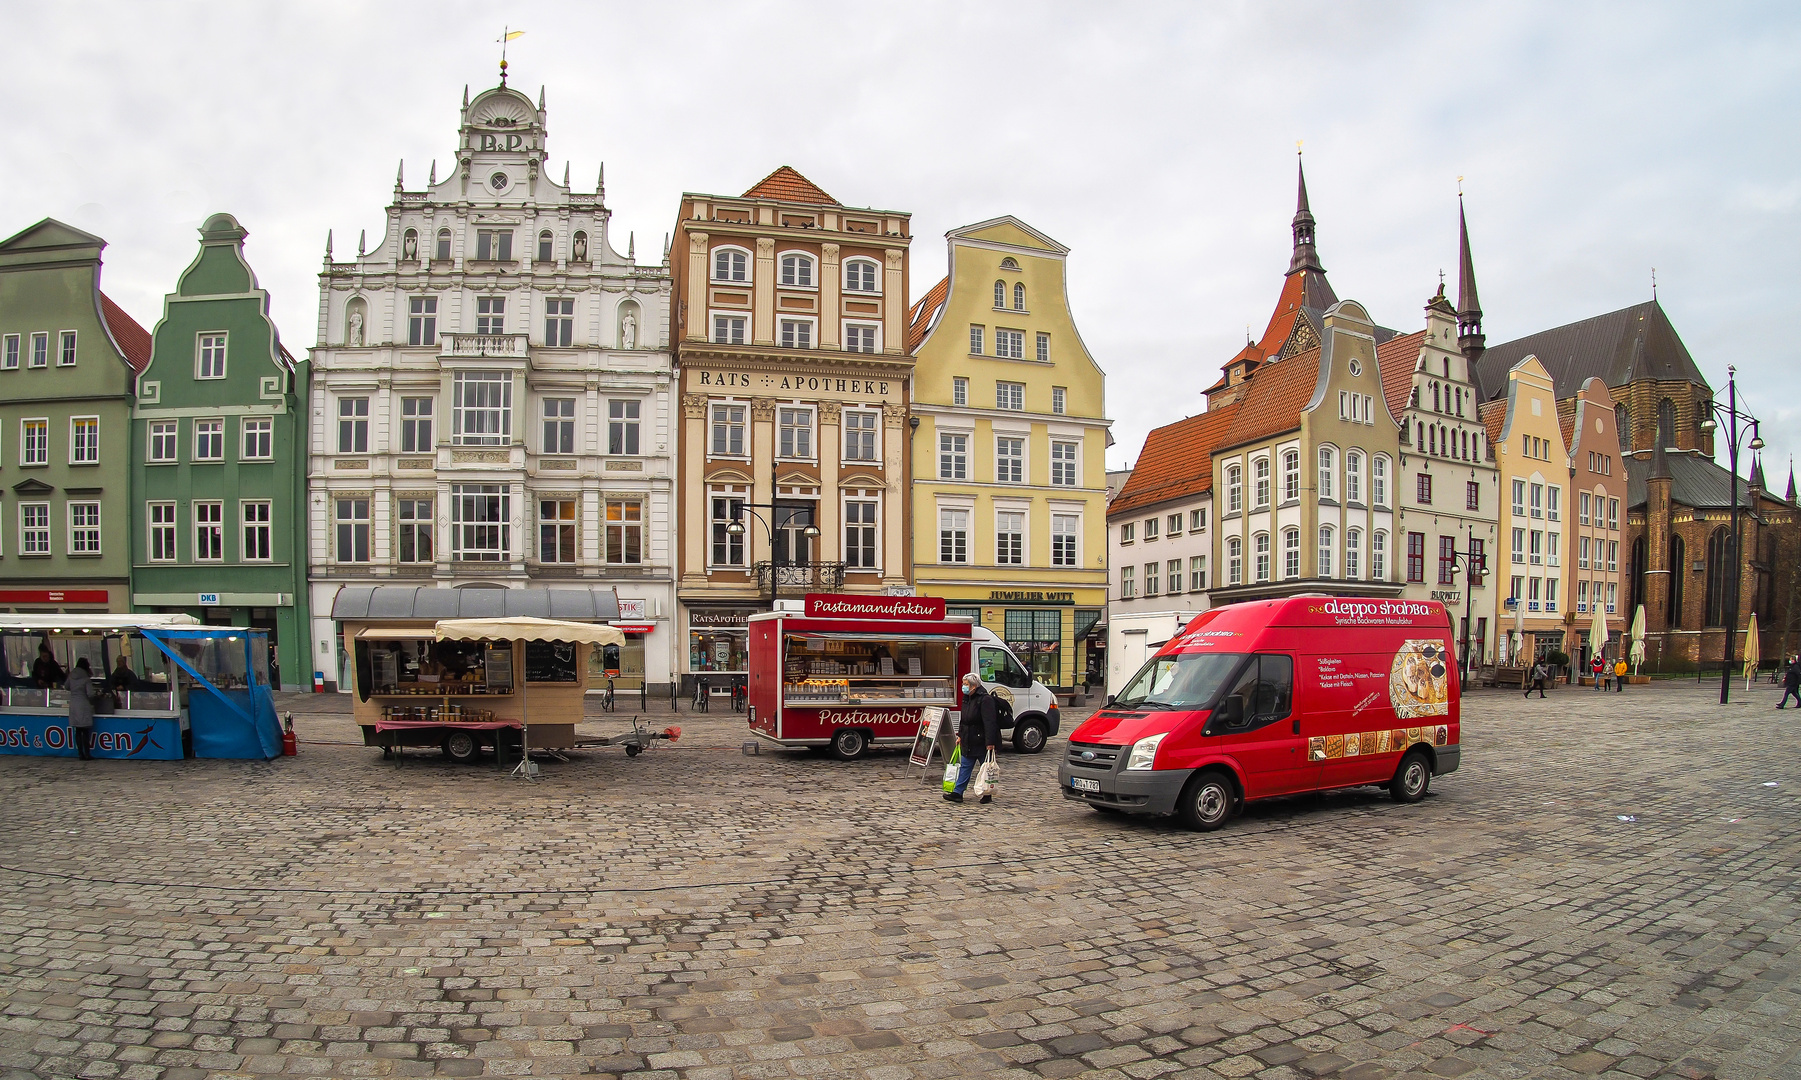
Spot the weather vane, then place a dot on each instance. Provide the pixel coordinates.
(1460, 187)
(506, 35)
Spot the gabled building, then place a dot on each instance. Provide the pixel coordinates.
(1012, 436)
(69, 361)
(790, 336)
(493, 394)
(218, 459)
(1160, 527)
(1533, 462)
(1598, 497)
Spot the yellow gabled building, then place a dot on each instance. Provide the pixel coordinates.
(1009, 450)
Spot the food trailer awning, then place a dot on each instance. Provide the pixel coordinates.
(394, 633)
(526, 629)
(387, 603)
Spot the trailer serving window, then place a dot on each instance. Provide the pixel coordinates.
(829, 668)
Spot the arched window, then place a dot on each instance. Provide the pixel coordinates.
(1353, 555)
(1261, 545)
(731, 264)
(1636, 574)
(1678, 572)
(1419, 443)
(1325, 551)
(1234, 561)
(409, 245)
(1000, 294)
(1291, 475)
(1378, 556)
(1327, 489)
(1378, 482)
(546, 247)
(1260, 482)
(1019, 297)
(443, 254)
(860, 276)
(1435, 407)
(1432, 440)
(1234, 489)
(797, 271)
(1666, 423)
(1291, 553)
(1719, 577)
(1353, 477)
(1009, 263)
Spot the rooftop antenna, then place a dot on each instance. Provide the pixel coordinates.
(1654, 283)
(506, 35)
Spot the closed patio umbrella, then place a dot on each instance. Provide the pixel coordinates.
(1638, 638)
(1519, 633)
(1751, 651)
(1597, 632)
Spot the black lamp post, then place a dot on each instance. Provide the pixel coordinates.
(736, 528)
(1734, 432)
(1475, 566)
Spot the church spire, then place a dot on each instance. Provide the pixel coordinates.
(1791, 481)
(1470, 339)
(1757, 480)
(1305, 257)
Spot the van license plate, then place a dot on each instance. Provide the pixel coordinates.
(1084, 785)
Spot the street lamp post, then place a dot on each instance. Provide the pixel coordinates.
(736, 528)
(1734, 432)
(1474, 563)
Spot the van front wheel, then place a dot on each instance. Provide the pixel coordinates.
(1412, 779)
(1028, 737)
(1206, 803)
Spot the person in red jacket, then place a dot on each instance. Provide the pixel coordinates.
(1598, 665)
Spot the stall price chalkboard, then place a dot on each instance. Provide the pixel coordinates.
(934, 726)
(550, 661)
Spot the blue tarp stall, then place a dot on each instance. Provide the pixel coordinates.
(231, 708)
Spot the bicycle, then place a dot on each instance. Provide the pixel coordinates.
(607, 701)
(740, 694)
(700, 695)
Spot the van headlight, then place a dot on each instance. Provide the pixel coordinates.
(1144, 751)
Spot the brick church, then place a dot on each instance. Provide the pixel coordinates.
(1678, 532)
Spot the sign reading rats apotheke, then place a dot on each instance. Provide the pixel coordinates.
(824, 387)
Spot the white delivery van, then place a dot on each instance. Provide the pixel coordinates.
(1034, 706)
(1134, 637)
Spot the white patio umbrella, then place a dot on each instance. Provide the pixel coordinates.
(519, 631)
(1519, 632)
(1597, 633)
(1751, 651)
(1638, 638)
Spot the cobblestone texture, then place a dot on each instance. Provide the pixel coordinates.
(698, 913)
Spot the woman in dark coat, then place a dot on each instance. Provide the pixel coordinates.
(81, 706)
(977, 732)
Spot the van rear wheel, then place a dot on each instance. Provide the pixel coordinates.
(1412, 780)
(849, 744)
(1207, 802)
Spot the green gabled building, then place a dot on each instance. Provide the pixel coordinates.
(218, 459)
(68, 358)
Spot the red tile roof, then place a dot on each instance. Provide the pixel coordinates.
(1273, 403)
(1396, 359)
(133, 339)
(789, 186)
(1281, 321)
(1494, 418)
(919, 318)
(1176, 461)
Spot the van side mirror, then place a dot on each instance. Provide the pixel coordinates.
(1110, 700)
(1235, 711)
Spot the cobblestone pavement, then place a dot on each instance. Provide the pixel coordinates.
(1607, 888)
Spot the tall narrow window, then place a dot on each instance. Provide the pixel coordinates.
(353, 427)
(415, 425)
(40, 350)
(490, 315)
(1000, 295)
(1173, 570)
(1019, 297)
(1416, 557)
(1326, 473)
(1326, 550)
(1197, 573)
(1353, 554)
(1447, 560)
(84, 440)
(1422, 488)
(482, 408)
(1153, 578)
(728, 430)
(559, 322)
(1353, 477)
(65, 355)
(1065, 529)
(34, 528)
(443, 252)
(1378, 556)
(975, 340)
(1291, 553)
(1009, 537)
(1063, 463)
(1260, 476)
(1059, 398)
(10, 360)
(959, 391)
(1472, 495)
(556, 530)
(795, 433)
(1234, 489)
(1234, 561)
(860, 434)
(953, 456)
(34, 442)
(211, 361)
(163, 441)
(860, 534)
(1378, 484)
(258, 533)
(415, 518)
(162, 532)
(1260, 544)
(953, 536)
(422, 320)
(728, 547)
(209, 531)
(546, 247)
(1009, 460)
(84, 528)
(1044, 351)
(559, 426)
(1126, 589)
(259, 438)
(478, 522)
(625, 532)
(622, 426)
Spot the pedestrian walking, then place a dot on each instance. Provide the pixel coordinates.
(81, 707)
(977, 733)
(1599, 667)
(1540, 676)
(1791, 683)
(1619, 676)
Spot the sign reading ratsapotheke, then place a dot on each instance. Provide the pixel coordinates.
(847, 606)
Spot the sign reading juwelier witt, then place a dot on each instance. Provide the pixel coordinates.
(845, 606)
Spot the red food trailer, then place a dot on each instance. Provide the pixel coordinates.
(854, 671)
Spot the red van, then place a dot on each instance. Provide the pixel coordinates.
(1275, 697)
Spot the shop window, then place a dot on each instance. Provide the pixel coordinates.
(1036, 637)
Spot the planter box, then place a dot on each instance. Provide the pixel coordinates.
(1638, 680)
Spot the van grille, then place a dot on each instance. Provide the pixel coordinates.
(1100, 757)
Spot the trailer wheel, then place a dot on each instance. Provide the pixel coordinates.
(1207, 802)
(633, 749)
(1028, 736)
(849, 744)
(460, 746)
(1412, 779)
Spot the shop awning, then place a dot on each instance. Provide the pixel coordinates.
(525, 629)
(395, 633)
(383, 603)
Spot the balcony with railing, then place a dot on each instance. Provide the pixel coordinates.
(795, 579)
(469, 346)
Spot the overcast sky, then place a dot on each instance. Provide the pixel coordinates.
(1155, 140)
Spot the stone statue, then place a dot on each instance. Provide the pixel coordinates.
(356, 328)
(581, 247)
(409, 247)
(628, 331)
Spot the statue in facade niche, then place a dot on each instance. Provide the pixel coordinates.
(356, 328)
(581, 247)
(628, 331)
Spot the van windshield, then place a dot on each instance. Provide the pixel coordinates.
(1179, 681)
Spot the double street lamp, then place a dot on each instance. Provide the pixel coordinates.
(1736, 429)
(736, 528)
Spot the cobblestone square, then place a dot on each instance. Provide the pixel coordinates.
(1607, 888)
